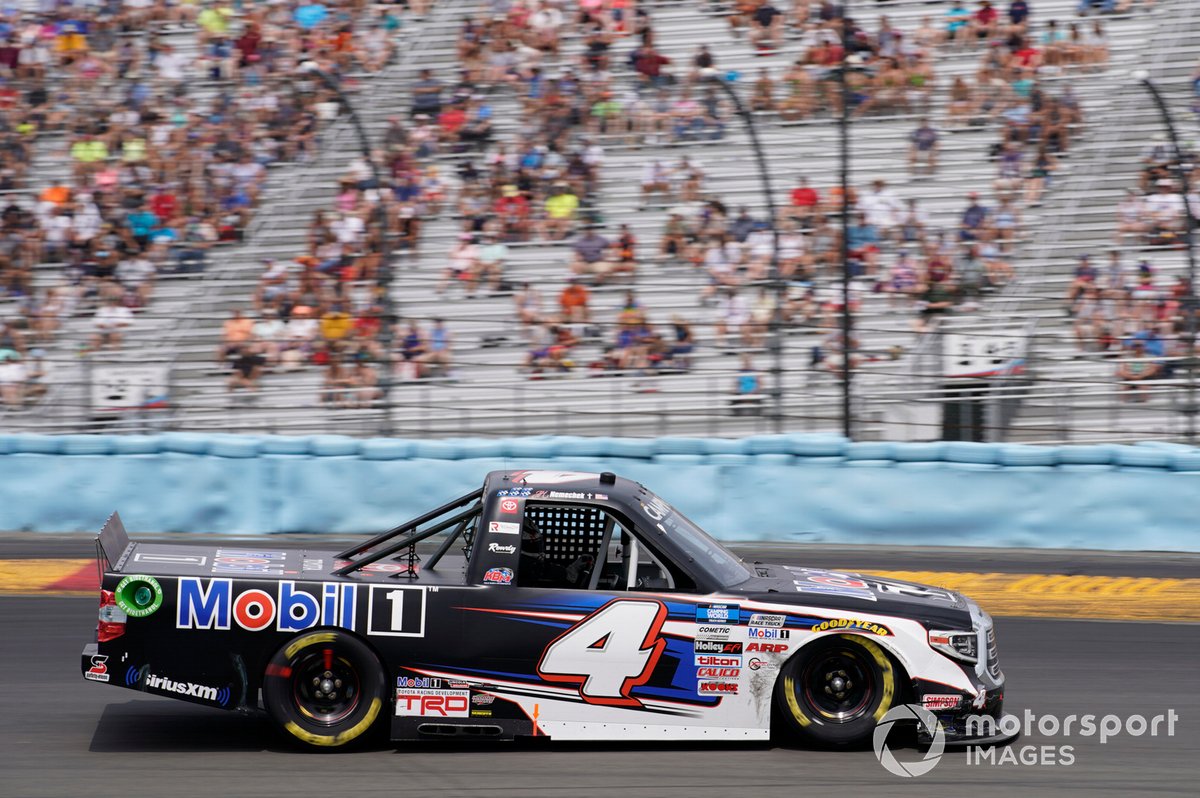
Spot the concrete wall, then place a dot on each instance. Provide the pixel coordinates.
(781, 488)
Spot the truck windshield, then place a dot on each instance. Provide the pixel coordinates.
(695, 543)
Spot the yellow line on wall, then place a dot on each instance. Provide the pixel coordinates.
(41, 576)
(1117, 598)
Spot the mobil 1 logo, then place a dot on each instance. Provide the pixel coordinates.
(396, 611)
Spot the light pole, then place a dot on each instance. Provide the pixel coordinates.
(1190, 408)
(775, 328)
(383, 277)
(844, 139)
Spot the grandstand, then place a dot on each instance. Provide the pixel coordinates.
(1063, 395)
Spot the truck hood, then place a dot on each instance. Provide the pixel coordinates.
(842, 590)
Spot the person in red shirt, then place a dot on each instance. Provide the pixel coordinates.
(1026, 55)
(805, 200)
(163, 203)
(984, 20)
(512, 208)
(451, 121)
(247, 45)
(368, 324)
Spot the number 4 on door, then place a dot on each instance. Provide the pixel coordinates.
(609, 652)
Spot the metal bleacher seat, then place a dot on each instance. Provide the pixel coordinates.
(485, 393)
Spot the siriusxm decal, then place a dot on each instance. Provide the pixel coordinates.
(212, 604)
(717, 613)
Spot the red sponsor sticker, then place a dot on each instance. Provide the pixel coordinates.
(509, 506)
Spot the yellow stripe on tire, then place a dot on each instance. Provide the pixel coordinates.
(306, 641)
(332, 740)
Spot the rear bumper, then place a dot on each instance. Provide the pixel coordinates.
(94, 665)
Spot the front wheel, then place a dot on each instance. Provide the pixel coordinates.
(834, 691)
(324, 689)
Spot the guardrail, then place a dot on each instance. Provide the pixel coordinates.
(768, 487)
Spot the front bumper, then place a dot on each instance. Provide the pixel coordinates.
(969, 718)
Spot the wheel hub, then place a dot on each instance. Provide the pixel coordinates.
(837, 685)
(325, 687)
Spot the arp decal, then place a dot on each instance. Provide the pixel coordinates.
(289, 609)
(396, 611)
(609, 652)
(767, 648)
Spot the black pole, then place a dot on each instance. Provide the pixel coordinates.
(383, 278)
(775, 329)
(844, 135)
(1190, 409)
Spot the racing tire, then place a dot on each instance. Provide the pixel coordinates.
(834, 691)
(324, 690)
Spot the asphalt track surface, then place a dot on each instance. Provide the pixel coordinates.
(63, 736)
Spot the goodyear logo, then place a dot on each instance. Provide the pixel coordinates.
(852, 624)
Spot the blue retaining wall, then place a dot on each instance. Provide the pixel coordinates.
(784, 488)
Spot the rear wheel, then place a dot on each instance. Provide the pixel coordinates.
(324, 689)
(834, 691)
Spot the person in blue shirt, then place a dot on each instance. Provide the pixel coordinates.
(1018, 12)
(973, 219)
(141, 222)
(958, 20)
(863, 242)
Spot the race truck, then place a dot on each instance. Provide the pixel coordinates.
(569, 605)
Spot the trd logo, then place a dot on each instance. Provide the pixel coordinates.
(767, 648)
(433, 703)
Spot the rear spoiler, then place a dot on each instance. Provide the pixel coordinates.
(112, 544)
